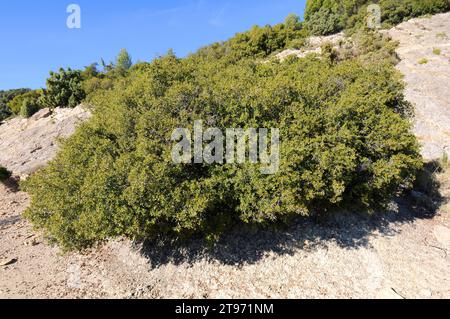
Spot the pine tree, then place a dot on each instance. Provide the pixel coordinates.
(124, 61)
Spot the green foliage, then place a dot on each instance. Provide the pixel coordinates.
(64, 89)
(5, 98)
(4, 174)
(329, 52)
(259, 42)
(95, 84)
(437, 51)
(90, 72)
(329, 16)
(297, 43)
(395, 11)
(124, 61)
(292, 22)
(423, 61)
(344, 142)
(371, 46)
(5, 112)
(16, 104)
(95, 80)
(28, 108)
(325, 20)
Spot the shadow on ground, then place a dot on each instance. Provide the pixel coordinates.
(244, 245)
(12, 184)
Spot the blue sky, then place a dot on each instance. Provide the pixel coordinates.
(35, 38)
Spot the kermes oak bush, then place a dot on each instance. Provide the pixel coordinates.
(344, 142)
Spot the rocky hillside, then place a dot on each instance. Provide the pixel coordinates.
(424, 50)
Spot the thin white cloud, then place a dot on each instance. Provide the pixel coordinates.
(217, 20)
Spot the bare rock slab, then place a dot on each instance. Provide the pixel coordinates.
(26, 145)
(427, 84)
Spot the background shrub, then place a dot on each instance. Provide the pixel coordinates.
(259, 42)
(324, 21)
(5, 98)
(16, 104)
(64, 89)
(29, 108)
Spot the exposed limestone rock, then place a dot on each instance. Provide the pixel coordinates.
(28, 144)
(314, 46)
(427, 84)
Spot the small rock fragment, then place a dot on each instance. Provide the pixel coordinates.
(42, 114)
(33, 242)
(7, 261)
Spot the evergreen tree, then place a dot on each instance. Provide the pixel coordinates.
(124, 61)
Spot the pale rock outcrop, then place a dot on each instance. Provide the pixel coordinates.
(314, 46)
(26, 145)
(424, 50)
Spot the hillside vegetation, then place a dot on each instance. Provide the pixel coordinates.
(64, 89)
(329, 16)
(5, 98)
(346, 140)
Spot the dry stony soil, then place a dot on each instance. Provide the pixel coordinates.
(400, 253)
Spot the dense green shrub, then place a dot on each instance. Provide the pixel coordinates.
(324, 21)
(95, 84)
(64, 89)
(395, 11)
(5, 98)
(4, 174)
(28, 108)
(297, 43)
(324, 17)
(5, 112)
(345, 136)
(95, 80)
(344, 141)
(16, 104)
